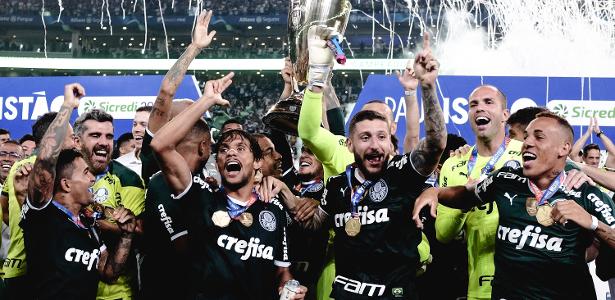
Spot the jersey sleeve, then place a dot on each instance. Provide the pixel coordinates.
(486, 189)
(281, 257)
(330, 149)
(450, 221)
(170, 215)
(328, 194)
(599, 205)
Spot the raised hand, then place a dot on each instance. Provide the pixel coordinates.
(408, 79)
(72, 93)
(320, 54)
(201, 38)
(596, 126)
(287, 71)
(20, 181)
(214, 88)
(425, 64)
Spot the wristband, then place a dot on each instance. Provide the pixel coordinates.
(599, 133)
(318, 75)
(410, 93)
(594, 225)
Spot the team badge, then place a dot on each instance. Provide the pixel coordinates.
(315, 187)
(353, 226)
(267, 220)
(513, 164)
(378, 191)
(101, 195)
(544, 215)
(221, 218)
(246, 219)
(397, 292)
(531, 206)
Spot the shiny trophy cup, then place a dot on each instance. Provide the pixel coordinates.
(302, 14)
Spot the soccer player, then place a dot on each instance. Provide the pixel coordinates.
(330, 148)
(139, 123)
(115, 186)
(65, 255)
(5, 135)
(15, 265)
(518, 121)
(487, 115)
(238, 244)
(28, 144)
(543, 228)
(375, 243)
(591, 153)
(10, 153)
(231, 124)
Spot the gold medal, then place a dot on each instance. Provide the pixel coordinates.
(246, 219)
(531, 206)
(543, 215)
(221, 218)
(353, 226)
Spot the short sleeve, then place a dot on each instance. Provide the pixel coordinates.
(600, 205)
(486, 189)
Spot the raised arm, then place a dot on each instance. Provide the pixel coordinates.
(608, 144)
(287, 75)
(175, 169)
(161, 112)
(409, 82)
(427, 153)
(40, 184)
(462, 197)
(578, 145)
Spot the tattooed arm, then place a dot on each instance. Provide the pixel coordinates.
(427, 153)
(40, 184)
(161, 112)
(112, 264)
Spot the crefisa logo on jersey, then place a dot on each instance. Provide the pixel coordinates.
(267, 220)
(366, 216)
(602, 208)
(379, 191)
(83, 257)
(251, 248)
(531, 234)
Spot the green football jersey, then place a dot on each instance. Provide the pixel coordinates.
(535, 259)
(480, 223)
(119, 186)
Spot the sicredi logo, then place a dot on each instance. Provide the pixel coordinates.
(120, 107)
(578, 112)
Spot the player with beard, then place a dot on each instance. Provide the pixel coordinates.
(65, 253)
(237, 244)
(369, 205)
(539, 253)
(10, 153)
(115, 186)
(15, 265)
(271, 164)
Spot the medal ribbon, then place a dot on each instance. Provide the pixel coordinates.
(75, 219)
(548, 193)
(356, 196)
(235, 210)
(302, 188)
(101, 175)
(491, 163)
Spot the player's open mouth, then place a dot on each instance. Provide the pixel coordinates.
(100, 154)
(232, 167)
(528, 157)
(374, 158)
(482, 121)
(6, 167)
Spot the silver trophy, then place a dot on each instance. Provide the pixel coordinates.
(302, 14)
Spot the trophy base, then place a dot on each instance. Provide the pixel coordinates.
(284, 115)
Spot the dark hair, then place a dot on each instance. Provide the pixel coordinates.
(4, 131)
(13, 142)
(561, 121)
(231, 121)
(395, 141)
(147, 108)
(64, 166)
(590, 147)
(453, 142)
(26, 137)
(40, 126)
(365, 115)
(95, 114)
(525, 115)
(124, 138)
(232, 134)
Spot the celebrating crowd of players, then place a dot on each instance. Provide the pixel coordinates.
(182, 217)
